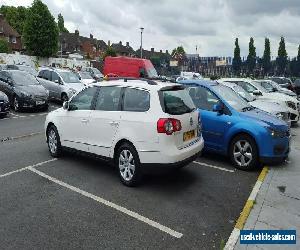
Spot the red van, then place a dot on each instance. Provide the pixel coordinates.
(123, 66)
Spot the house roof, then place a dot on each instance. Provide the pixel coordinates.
(6, 29)
(120, 48)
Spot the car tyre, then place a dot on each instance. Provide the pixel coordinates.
(243, 152)
(53, 141)
(128, 165)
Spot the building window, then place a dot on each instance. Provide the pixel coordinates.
(12, 39)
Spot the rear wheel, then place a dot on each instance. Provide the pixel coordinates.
(243, 152)
(129, 166)
(53, 141)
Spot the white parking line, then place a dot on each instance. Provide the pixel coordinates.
(110, 204)
(212, 166)
(25, 168)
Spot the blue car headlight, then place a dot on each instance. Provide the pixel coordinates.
(275, 133)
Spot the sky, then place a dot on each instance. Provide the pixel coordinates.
(211, 25)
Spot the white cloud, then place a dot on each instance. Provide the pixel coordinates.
(212, 25)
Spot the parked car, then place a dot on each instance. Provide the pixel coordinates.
(94, 72)
(280, 111)
(133, 123)
(283, 82)
(129, 67)
(261, 93)
(296, 85)
(85, 77)
(62, 84)
(232, 127)
(22, 67)
(4, 104)
(272, 86)
(23, 90)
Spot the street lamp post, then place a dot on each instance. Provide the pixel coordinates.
(142, 29)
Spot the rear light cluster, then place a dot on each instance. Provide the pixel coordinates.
(168, 125)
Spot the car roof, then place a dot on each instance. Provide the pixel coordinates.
(58, 70)
(198, 82)
(139, 83)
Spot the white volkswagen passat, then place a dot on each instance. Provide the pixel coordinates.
(133, 123)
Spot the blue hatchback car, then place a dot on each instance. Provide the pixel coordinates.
(232, 127)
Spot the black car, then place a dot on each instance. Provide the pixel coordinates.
(4, 105)
(23, 90)
(296, 85)
(22, 67)
(283, 82)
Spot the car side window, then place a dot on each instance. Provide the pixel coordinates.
(203, 98)
(54, 76)
(109, 99)
(47, 75)
(247, 86)
(84, 99)
(136, 100)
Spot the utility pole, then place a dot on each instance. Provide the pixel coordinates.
(142, 29)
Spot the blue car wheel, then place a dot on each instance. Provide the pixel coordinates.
(243, 152)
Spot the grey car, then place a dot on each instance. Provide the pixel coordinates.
(62, 84)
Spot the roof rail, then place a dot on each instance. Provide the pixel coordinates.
(149, 81)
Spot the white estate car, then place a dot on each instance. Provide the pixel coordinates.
(280, 111)
(255, 89)
(135, 123)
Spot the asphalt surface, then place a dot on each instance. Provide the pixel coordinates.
(77, 202)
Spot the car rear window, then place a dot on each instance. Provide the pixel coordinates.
(176, 101)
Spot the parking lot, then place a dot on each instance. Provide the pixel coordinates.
(79, 202)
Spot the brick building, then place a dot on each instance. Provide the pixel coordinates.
(11, 35)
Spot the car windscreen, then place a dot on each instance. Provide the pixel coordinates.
(69, 77)
(176, 101)
(267, 86)
(85, 75)
(97, 71)
(23, 78)
(28, 69)
(152, 73)
(232, 98)
(243, 93)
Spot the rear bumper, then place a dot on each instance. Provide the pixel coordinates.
(171, 156)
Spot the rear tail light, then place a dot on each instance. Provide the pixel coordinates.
(168, 125)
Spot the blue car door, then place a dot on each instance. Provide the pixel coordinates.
(214, 124)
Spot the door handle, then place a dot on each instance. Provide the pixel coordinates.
(84, 120)
(114, 123)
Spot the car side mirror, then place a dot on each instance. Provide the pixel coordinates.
(219, 107)
(66, 105)
(257, 92)
(274, 90)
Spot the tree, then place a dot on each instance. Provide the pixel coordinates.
(295, 65)
(282, 58)
(237, 61)
(109, 52)
(40, 31)
(15, 16)
(61, 24)
(266, 60)
(251, 58)
(4, 46)
(178, 54)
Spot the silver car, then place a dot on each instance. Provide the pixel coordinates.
(270, 107)
(62, 84)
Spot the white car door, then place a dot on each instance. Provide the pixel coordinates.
(104, 121)
(74, 126)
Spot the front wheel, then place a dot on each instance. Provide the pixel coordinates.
(53, 141)
(243, 152)
(129, 166)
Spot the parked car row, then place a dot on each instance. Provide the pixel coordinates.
(145, 123)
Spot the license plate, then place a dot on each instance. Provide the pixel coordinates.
(40, 102)
(189, 135)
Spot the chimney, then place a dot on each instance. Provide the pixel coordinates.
(167, 52)
(108, 43)
(77, 32)
(160, 51)
(127, 44)
(120, 42)
(152, 49)
(91, 36)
